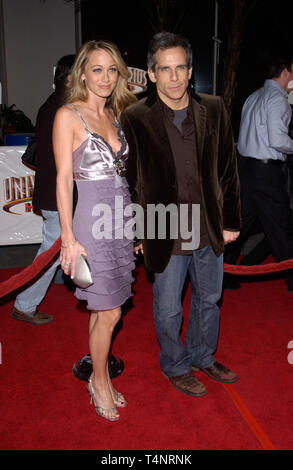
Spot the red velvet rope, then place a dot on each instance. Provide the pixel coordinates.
(29, 273)
(258, 269)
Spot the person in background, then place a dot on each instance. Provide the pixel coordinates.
(44, 198)
(263, 145)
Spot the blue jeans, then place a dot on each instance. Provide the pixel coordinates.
(28, 300)
(206, 275)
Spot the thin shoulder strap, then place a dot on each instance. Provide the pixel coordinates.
(81, 118)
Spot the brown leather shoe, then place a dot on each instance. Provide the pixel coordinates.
(38, 318)
(218, 372)
(187, 384)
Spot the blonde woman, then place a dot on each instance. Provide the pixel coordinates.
(91, 150)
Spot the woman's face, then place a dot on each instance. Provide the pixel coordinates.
(100, 73)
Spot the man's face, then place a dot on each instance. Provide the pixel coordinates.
(171, 76)
(290, 79)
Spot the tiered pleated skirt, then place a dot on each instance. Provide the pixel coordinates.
(102, 223)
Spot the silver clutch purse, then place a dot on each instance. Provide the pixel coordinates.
(83, 276)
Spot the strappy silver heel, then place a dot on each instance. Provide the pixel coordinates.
(118, 398)
(100, 410)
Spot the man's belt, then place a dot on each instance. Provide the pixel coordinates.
(262, 161)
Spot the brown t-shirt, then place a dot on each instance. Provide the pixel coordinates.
(180, 129)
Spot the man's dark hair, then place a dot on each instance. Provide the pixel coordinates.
(63, 69)
(165, 40)
(276, 65)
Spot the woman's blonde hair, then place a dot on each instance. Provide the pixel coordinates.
(121, 96)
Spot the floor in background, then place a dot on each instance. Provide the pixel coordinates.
(43, 406)
(17, 256)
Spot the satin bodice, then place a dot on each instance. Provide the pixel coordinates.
(95, 159)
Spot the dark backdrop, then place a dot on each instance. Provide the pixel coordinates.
(268, 26)
(128, 24)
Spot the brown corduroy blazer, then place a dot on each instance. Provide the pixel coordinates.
(151, 173)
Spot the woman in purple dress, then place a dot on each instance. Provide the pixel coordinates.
(91, 150)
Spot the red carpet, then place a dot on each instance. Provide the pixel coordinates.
(43, 406)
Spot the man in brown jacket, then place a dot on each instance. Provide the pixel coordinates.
(182, 158)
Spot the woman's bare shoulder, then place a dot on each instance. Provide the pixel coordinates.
(67, 115)
(65, 111)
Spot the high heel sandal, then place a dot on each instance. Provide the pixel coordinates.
(118, 398)
(100, 410)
